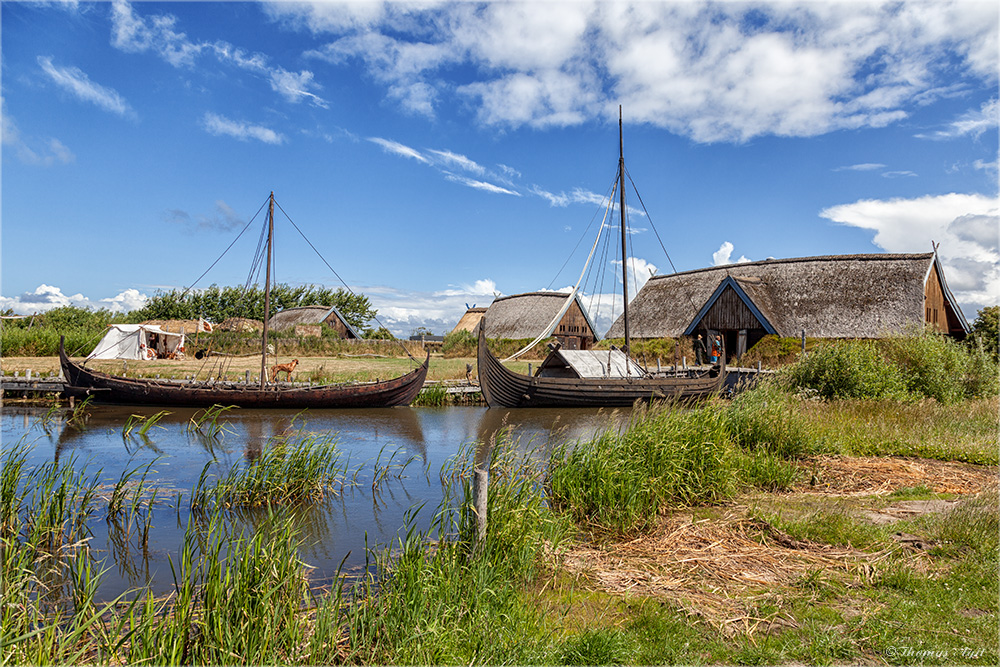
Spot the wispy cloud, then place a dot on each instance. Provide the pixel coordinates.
(76, 82)
(396, 148)
(481, 185)
(224, 218)
(225, 127)
(158, 34)
(898, 174)
(865, 166)
(41, 153)
(972, 123)
(446, 162)
(563, 199)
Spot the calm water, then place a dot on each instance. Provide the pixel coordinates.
(334, 529)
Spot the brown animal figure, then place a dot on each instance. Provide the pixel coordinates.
(288, 368)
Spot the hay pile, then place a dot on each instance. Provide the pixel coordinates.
(717, 569)
(844, 475)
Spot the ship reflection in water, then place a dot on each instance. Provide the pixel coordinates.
(422, 439)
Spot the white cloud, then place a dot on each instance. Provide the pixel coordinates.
(222, 126)
(865, 166)
(965, 225)
(396, 148)
(76, 82)
(43, 152)
(711, 71)
(972, 123)
(136, 34)
(723, 254)
(47, 297)
(403, 311)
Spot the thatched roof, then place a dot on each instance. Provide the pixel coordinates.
(180, 326)
(839, 296)
(528, 315)
(470, 320)
(240, 324)
(291, 317)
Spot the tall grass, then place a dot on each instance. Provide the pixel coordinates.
(292, 469)
(620, 481)
(449, 601)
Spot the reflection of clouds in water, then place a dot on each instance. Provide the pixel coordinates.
(333, 529)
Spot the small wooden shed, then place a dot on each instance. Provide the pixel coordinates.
(304, 318)
(522, 316)
(836, 296)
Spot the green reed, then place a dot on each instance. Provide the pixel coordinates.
(434, 396)
(620, 481)
(454, 602)
(292, 469)
(208, 422)
(141, 424)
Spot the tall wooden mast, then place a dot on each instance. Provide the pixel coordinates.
(621, 207)
(267, 291)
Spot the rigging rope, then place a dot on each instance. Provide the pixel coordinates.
(342, 281)
(572, 294)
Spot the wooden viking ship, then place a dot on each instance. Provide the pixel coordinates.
(615, 384)
(106, 388)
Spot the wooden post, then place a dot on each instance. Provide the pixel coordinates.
(803, 342)
(480, 502)
(480, 488)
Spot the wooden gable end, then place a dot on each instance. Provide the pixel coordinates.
(573, 330)
(334, 322)
(935, 315)
(730, 312)
(939, 310)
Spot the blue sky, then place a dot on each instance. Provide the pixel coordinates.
(438, 154)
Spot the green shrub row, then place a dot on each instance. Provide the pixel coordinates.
(916, 365)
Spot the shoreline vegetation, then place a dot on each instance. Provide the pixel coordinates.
(844, 512)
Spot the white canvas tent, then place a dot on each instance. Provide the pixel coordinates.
(139, 341)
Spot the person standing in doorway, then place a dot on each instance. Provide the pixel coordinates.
(700, 353)
(716, 349)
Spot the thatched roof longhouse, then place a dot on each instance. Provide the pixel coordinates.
(328, 315)
(529, 315)
(842, 296)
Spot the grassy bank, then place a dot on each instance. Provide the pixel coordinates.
(731, 532)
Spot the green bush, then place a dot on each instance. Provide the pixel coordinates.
(848, 369)
(460, 343)
(917, 364)
(932, 365)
